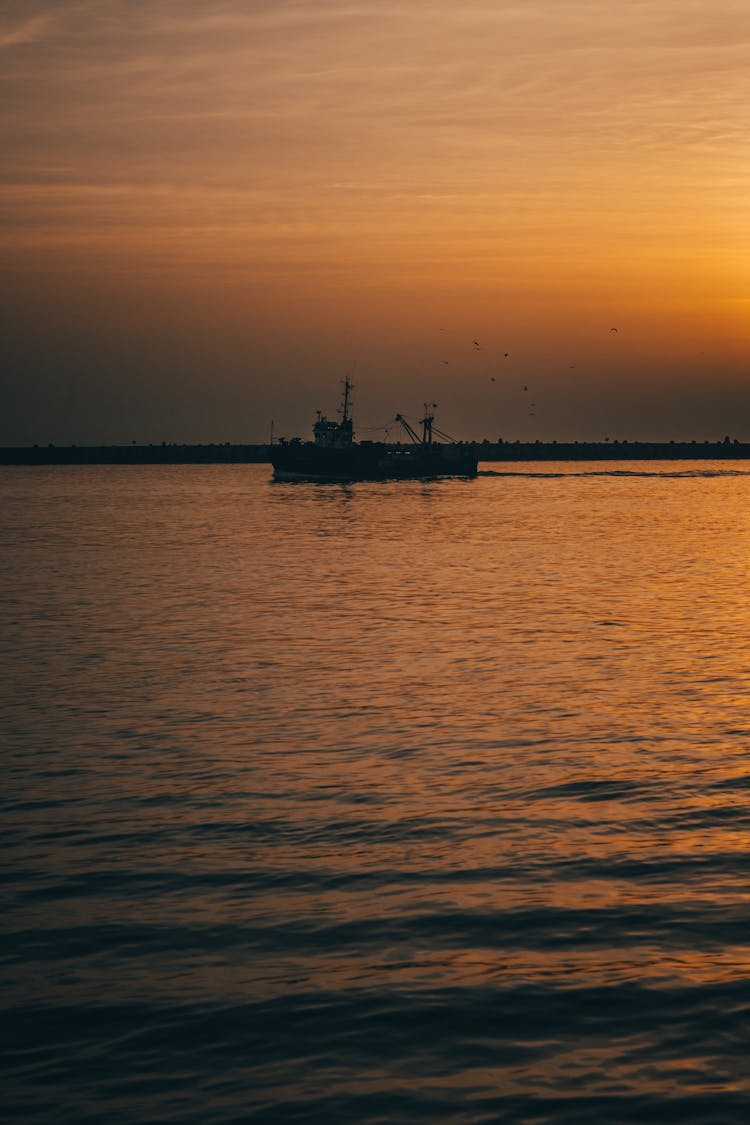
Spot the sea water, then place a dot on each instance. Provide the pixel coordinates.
(382, 802)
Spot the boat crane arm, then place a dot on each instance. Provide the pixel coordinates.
(441, 434)
(415, 436)
(411, 432)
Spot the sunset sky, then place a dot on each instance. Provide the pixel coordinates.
(212, 212)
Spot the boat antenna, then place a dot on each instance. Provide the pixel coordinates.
(348, 388)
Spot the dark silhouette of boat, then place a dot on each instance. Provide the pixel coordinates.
(333, 454)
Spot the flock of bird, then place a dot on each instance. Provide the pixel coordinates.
(476, 346)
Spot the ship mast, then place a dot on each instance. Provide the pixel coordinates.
(344, 410)
(427, 421)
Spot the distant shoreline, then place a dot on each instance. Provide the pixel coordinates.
(176, 454)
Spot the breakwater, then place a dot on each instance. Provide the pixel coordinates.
(176, 454)
(612, 450)
(134, 454)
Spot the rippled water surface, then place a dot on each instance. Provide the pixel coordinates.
(409, 802)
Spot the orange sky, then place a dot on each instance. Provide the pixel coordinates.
(210, 213)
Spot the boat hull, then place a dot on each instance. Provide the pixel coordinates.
(371, 461)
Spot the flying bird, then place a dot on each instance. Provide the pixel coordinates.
(476, 345)
(613, 329)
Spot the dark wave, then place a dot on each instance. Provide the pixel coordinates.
(671, 925)
(476, 1054)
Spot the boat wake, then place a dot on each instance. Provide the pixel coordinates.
(555, 474)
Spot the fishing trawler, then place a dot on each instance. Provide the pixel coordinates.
(334, 455)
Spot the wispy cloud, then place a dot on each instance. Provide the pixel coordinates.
(587, 104)
(27, 31)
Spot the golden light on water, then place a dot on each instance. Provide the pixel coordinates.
(324, 794)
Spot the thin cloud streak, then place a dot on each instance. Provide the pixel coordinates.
(27, 32)
(355, 81)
